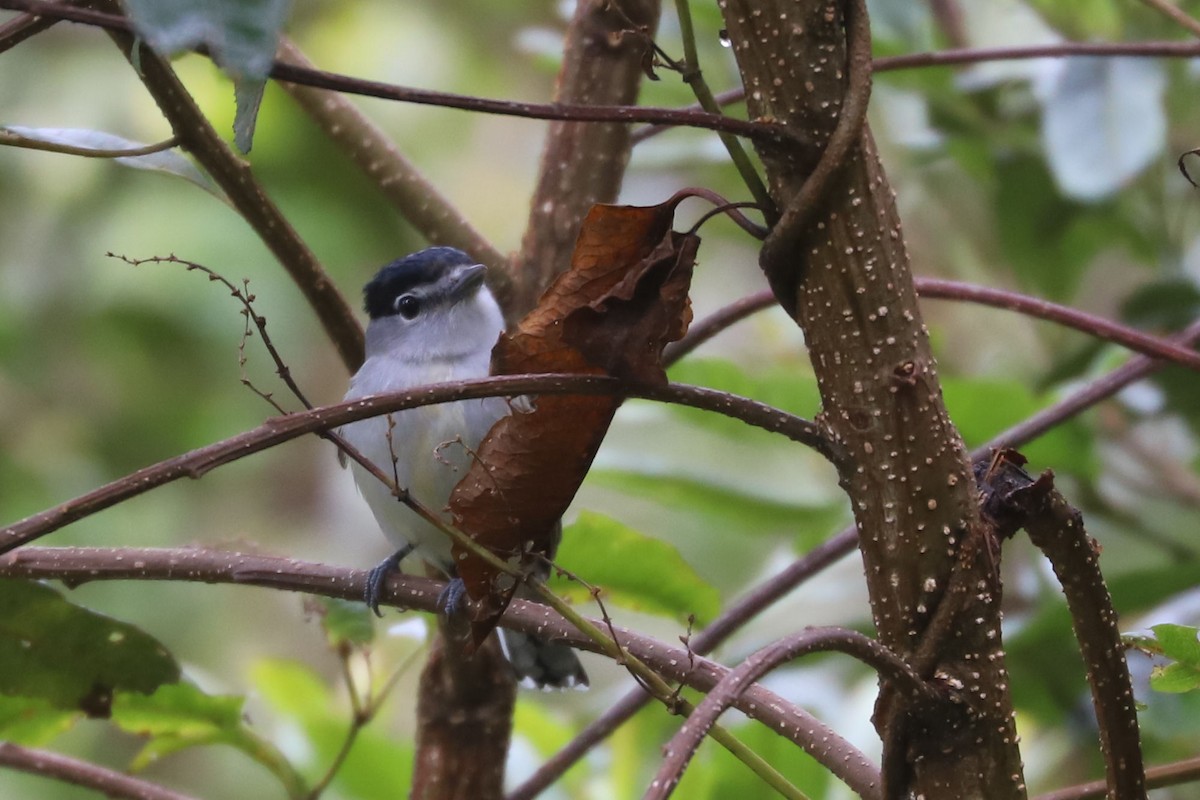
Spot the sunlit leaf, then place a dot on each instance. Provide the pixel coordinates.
(33, 721)
(1103, 123)
(70, 656)
(180, 716)
(180, 709)
(1175, 678)
(727, 508)
(376, 760)
(345, 621)
(169, 162)
(241, 35)
(632, 569)
(1178, 642)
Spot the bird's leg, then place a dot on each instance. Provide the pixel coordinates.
(452, 606)
(450, 601)
(379, 575)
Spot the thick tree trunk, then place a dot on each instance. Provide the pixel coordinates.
(843, 272)
(583, 163)
(464, 715)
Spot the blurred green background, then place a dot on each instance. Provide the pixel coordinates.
(1052, 177)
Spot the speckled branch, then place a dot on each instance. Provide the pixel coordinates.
(77, 565)
(1015, 500)
(833, 549)
(680, 749)
(1171, 350)
(65, 769)
(844, 274)
(278, 430)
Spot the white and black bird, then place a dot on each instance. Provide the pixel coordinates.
(433, 320)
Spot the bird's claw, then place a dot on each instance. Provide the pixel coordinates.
(378, 576)
(452, 606)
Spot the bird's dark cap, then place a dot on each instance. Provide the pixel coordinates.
(421, 268)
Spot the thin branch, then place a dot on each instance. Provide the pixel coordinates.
(247, 302)
(11, 139)
(234, 176)
(277, 430)
(693, 77)
(1175, 14)
(610, 645)
(718, 321)
(723, 206)
(1092, 394)
(343, 83)
(1183, 771)
(687, 739)
(1171, 350)
(976, 55)
(82, 773)
(77, 565)
(947, 58)
(511, 108)
(417, 199)
(18, 29)
(1072, 318)
(358, 720)
(707, 640)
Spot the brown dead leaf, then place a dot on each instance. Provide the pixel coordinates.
(623, 300)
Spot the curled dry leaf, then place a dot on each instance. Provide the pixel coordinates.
(623, 300)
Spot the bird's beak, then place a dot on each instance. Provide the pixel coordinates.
(466, 280)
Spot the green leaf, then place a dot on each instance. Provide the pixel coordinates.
(1044, 652)
(982, 408)
(1170, 304)
(168, 162)
(1175, 678)
(735, 512)
(179, 709)
(632, 569)
(1178, 642)
(292, 688)
(1048, 239)
(790, 389)
(72, 657)
(33, 721)
(376, 760)
(345, 621)
(180, 716)
(241, 35)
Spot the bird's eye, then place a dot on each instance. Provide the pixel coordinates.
(408, 306)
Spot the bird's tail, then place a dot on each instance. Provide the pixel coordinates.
(541, 664)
